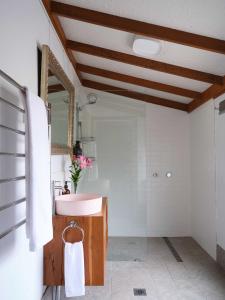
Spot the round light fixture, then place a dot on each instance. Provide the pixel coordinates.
(146, 47)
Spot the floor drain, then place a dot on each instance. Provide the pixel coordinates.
(172, 249)
(140, 292)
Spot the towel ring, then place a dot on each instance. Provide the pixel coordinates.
(74, 225)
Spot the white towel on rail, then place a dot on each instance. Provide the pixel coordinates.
(38, 193)
(74, 269)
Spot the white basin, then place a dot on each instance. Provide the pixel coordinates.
(78, 204)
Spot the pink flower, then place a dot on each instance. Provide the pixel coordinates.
(82, 162)
(83, 165)
(89, 162)
(78, 164)
(82, 158)
(85, 162)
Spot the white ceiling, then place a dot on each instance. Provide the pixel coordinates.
(204, 17)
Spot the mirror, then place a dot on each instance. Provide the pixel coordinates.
(58, 91)
(58, 97)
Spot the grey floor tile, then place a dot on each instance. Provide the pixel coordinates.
(165, 288)
(177, 270)
(160, 272)
(188, 289)
(127, 249)
(148, 263)
(214, 296)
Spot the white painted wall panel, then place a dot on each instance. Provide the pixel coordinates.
(167, 142)
(203, 199)
(24, 26)
(220, 173)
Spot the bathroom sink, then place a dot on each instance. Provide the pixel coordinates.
(78, 204)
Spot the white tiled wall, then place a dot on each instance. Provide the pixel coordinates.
(134, 140)
(167, 144)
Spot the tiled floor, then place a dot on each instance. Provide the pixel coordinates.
(148, 263)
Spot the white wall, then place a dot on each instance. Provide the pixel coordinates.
(220, 173)
(203, 200)
(134, 140)
(168, 201)
(182, 205)
(175, 141)
(24, 26)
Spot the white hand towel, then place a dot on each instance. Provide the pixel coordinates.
(38, 193)
(74, 269)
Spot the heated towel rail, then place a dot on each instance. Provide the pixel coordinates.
(2, 126)
(12, 154)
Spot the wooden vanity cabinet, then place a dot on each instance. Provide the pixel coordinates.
(95, 247)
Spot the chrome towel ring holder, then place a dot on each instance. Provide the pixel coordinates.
(72, 224)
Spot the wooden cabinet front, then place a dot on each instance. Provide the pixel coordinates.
(95, 247)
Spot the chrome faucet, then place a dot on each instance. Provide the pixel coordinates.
(56, 185)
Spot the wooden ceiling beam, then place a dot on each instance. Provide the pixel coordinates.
(143, 62)
(212, 92)
(134, 95)
(55, 88)
(138, 27)
(59, 30)
(138, 81)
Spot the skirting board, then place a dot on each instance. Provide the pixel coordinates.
(220, 256)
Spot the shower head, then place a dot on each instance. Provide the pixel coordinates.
(92, 98)
(66, 101)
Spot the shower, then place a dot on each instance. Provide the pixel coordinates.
(92, 99)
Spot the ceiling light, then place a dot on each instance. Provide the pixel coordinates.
(146, 47)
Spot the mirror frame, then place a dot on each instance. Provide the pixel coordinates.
(49, 62)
